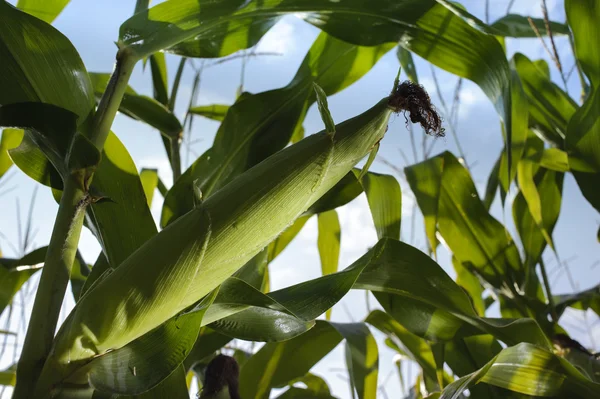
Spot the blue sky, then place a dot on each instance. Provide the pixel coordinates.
(92, 26)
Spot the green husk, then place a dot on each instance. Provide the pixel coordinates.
(200, 250)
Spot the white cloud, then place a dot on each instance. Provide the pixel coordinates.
(280, 39)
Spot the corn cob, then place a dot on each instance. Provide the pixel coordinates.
(196, 253)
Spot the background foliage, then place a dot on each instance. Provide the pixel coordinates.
(498, 239)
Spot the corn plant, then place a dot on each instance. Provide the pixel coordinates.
(159, 306)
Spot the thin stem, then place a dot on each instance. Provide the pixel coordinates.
(111, 100)
(555, 55)
(52, 286)
(63, 243)
(548, 291)
(176, 83)
(510, 6)
(176, 141)
(175, 158)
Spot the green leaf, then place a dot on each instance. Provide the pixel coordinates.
(513, 25)
(255, 272)
(172, 387)
(583, 141)
(385, 201)
(471, 284)
(517, 131)
(145, 362)
(49, 127)
(11, 138)
(328, 243)
(160, 79)
(588, 299)
(149, 180)
(208, 342)
(582, 16)
(342, 193)
(215, 112)
(413, 346)
(39, 64)
(550, 108)
(448, 199)
(259, 125)
(492, 184)
(529, 370)
(276, 364)
(165, 25)
(242, 311)
(416, 291)
(15, 272)
(535, 218)
(46, 10)
(123, 224)
(8, 377)
(407, 64)
(143, 108)
(324, 109)
(154, 286)
(362, 358)
(226, 38)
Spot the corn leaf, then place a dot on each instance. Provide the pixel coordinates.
(46, 10)
(550, 108)
(257, 126)
(448, 199)
(160, 82)
(328, 241)
(583, 140)
(39, 64)
(226, 38)
(385, 201)
(582, 16)
(123, 224)
(530, 370)
(215, 112)
(15, 272)
(514, 25)
(407, 64)
(588, 299)
(535, 219)
(362, 358)
(11, 138)
(409, 344)
(149, 180)
(276, 364)
(145, 362)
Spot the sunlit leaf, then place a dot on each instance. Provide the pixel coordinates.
(215, 112)
(449, 201)
(385, 202)
(11, 138)
(46, 10)
(15, 272)
(39, 64)
(328, 243)
(530, 370)
(149, 180)
(514, 25)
